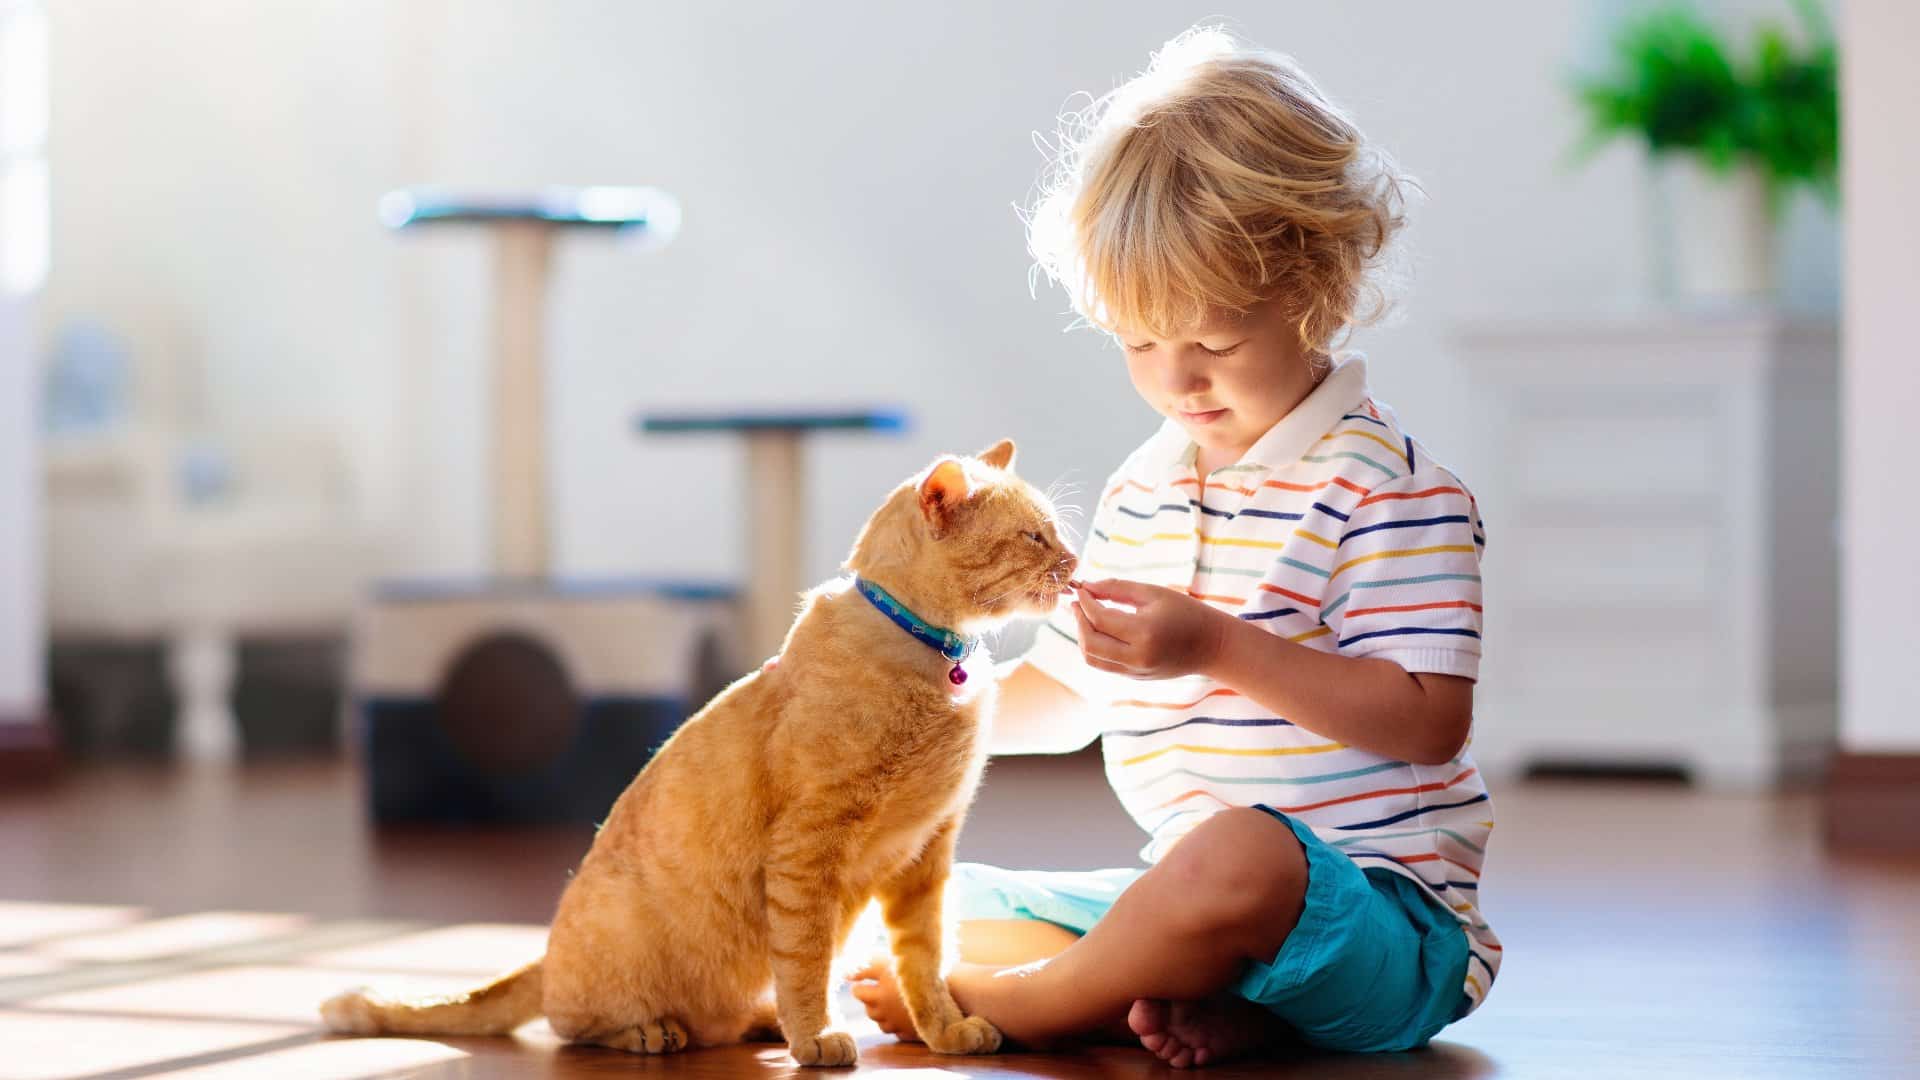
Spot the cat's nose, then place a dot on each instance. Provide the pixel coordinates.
(1068, 564)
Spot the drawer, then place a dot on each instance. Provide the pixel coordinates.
(1610, 456)
(1635, 561)
(1670, 663)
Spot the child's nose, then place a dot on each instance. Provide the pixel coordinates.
(1184, 376)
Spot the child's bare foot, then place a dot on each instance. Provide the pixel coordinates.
(1190, 1034)
(874, 988)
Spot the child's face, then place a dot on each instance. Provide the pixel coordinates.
(1225, 381)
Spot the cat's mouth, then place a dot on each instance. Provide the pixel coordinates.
(1047, 593)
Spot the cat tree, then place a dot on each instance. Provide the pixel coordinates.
(519, 696)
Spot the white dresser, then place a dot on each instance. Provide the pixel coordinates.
(1662, 554)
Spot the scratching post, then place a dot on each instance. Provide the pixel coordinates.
(523, 229)
(776, 501)
(523, 255)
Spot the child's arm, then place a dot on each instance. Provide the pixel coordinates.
(1368, 703)
(1037, 715)
(1361, 701)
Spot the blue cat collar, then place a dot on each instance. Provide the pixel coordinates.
(945, 642)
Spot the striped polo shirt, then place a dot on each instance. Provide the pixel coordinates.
(1339, 532)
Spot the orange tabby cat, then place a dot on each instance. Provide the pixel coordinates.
(727, 877)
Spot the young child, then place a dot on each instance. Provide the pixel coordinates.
(1280, 632)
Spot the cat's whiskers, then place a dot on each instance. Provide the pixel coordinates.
(1027, 587)
(992, 600)
(1049, 580)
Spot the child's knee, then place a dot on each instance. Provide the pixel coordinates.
(1241, 870)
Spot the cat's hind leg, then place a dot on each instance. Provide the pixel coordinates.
(663, 1036)
(765, 1024)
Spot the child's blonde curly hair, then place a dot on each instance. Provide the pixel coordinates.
(1218, 179)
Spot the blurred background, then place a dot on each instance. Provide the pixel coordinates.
(261, 451)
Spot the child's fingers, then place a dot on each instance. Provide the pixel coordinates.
(1100, 651)
(1104, 619)
(1112, 633)
(1094, 641)
(1130, 593)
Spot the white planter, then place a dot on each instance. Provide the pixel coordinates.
(1713, 237)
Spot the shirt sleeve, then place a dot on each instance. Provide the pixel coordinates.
(1405, 584)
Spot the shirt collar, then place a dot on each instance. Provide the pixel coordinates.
(1288, 440)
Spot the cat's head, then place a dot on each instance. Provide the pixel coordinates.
(968, 543)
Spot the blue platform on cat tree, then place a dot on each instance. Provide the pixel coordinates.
(621, 208)
(879, 420)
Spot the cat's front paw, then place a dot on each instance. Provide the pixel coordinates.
(830, 1048)
(974, 1035)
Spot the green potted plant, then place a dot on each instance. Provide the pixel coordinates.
(1729, 138)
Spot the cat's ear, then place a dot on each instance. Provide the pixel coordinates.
(943, 492)
(999, 455)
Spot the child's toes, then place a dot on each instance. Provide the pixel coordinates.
(1147, 1017)
(1170, 1049)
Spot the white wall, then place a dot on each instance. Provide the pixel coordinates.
(20, 623)
(214, 167)
(1880, 682)
(848, 173)
(21, 219)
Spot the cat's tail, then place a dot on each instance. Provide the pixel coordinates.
(494, 1009)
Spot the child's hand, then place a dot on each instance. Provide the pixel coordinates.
(873, 987)
(1168, 634)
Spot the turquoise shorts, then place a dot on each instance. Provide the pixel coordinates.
(1374, 964)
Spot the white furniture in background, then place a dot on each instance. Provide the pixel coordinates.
(285, 551)
(1661, 563)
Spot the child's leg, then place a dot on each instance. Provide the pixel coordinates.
(988, 944)
(1005, 943)
(1228, 893)
(1008, 942)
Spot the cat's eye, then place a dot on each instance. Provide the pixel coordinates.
(1036, 538)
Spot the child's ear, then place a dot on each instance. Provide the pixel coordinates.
(943, 493)
(999, 455)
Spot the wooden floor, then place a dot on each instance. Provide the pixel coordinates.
(159, 922)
